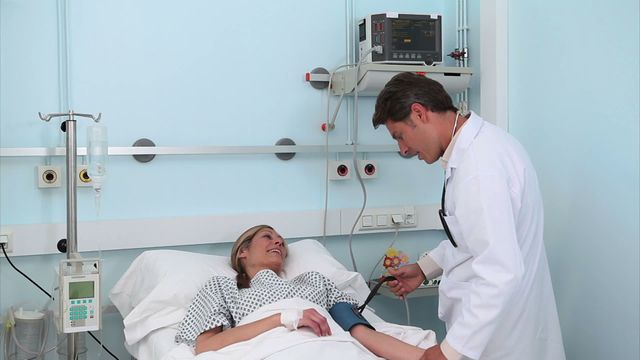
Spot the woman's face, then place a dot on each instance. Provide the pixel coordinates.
(266, 251)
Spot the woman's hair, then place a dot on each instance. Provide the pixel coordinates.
(243, 242)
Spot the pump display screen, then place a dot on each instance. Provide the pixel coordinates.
(81, 290)
(413, 35)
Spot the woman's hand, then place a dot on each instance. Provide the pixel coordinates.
(216, 339)
(316, 322)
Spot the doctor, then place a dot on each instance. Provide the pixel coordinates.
(496, 296)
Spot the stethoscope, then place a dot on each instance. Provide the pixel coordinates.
(442, 213)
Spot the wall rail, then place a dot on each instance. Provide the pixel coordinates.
(200, 150)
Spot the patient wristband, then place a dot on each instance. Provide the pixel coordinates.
(348, 316)
(290, 318)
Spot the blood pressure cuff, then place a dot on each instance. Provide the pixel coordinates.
(347, 316)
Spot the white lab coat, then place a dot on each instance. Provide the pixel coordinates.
(495, 294)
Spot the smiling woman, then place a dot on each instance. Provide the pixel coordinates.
(215, 317)
(259, 247)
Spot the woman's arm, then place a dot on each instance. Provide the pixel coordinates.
(384, 345)
(344, 312)
(216, 339)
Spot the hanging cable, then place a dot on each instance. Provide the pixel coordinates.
(406, 306)
(23, 274)
(377, 49)
(329, 125)
(49, 295)
(5, 339)
(395, 237)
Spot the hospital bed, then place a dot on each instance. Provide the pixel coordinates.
(154, 293)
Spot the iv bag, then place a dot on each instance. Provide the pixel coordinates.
(97, 150)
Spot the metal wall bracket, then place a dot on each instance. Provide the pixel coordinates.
(144, 158)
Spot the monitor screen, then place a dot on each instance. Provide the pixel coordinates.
(81, 290)
(413, 35)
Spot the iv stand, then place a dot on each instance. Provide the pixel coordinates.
(69, 127)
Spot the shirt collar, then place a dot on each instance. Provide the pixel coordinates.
(461, 142)
(444, 160)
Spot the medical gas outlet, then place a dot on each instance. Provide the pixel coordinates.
(388, 218)
(368, 169)
(339, 170)
(49, 176)
(82, 176)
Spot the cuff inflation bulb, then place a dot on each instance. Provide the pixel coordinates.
(97, 150)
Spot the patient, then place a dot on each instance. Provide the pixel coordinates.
(258, 257)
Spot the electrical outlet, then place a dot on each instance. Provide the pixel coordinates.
(339, 170)
(82, 176)
(368, 169)
(410, 216)
(49, 176)
(6, 238)
(388, 218)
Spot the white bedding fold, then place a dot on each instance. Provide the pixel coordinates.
(280, 343)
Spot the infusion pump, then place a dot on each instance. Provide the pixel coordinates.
(78, 298)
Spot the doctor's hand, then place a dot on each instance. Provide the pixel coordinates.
(408, 278)
(315, 321)
(433, 353)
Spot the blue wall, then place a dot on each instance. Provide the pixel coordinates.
(195, 73)
(573, 102)
(203, 73)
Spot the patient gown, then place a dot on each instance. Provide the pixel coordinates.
(220, 302)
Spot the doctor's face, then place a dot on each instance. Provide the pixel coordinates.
(267, 250)
(416, 135)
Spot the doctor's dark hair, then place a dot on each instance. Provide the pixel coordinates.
(405, 89)
(243, 242)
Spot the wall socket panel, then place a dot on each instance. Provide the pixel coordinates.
(82, 176)
(49, 176)
(340, 170)
(388, 218)
(7, 238)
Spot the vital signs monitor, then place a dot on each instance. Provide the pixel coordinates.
(404, 38)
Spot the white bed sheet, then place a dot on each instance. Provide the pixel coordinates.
(160, 345)
(155, 292)
(155, 345)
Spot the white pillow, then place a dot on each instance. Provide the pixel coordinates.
(171, 270)
(159, 286)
